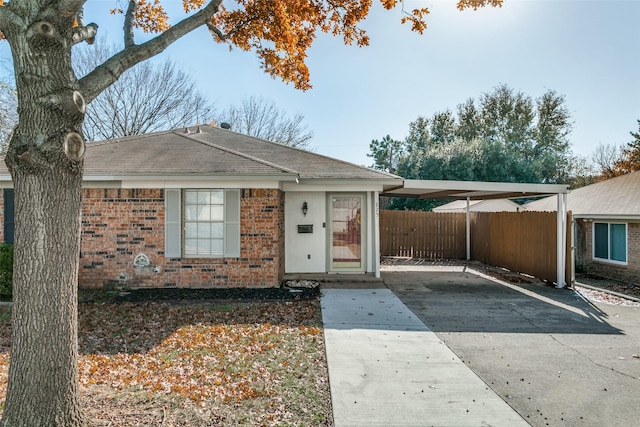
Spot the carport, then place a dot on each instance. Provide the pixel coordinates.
(475, 190)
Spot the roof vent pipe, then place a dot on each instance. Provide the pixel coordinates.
(225, 125)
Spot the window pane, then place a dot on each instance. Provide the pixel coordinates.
(601, 240)
(217, 246)
(217, 230)
(190, 246)
(217, 213)
(204, 230)
(190, 212)
(203, 198)
(217, 197)
(191, 230)
(204, 213)
(619, 242)
(204, 247)
(191, 197)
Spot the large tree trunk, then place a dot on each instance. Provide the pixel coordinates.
(45, 161)
(43, 374)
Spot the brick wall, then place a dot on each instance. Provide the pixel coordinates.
(625, 273)
(118, 224)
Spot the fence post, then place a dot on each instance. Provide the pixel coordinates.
(468, 236)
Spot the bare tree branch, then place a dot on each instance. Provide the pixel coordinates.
(605, 157)
(260, 117)
(225, 36)
(104, 75)
(136, 103)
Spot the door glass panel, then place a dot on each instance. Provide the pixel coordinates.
(619, 242)
(601, 240)
(346, 231)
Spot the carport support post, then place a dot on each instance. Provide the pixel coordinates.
(561, 240)
(468, 224)
(375, 201)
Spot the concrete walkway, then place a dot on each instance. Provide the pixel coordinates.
(386, 368)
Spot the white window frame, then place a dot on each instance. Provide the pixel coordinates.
(626, 241)
(196, 222)
(175, 224)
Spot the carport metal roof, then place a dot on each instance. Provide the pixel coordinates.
(476, 190)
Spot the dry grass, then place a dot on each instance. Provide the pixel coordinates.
(199, 365)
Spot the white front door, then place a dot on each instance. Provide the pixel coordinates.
(346, 225)
(305, 232)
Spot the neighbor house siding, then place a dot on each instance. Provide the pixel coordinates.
(626, 273)
(119, 224)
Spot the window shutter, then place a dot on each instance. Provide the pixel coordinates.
(232, 223)
(172, 224)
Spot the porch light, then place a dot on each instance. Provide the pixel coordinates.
(305, 208)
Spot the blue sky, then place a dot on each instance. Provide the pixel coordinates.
(587, 50)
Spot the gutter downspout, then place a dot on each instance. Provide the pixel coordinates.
(561, 259)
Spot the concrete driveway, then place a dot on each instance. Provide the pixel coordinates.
(557, 359)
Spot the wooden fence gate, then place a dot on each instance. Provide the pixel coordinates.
(429, 235)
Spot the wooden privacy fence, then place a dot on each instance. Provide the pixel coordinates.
(520, 241)
(524, 242)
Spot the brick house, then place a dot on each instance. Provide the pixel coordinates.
(209, 207)
(606, 226)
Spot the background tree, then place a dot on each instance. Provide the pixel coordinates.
(136, 103)
(503, 136)
(611, 160)
(261, 117)
(442, 128)
(581, 171)
(385, 153)
(46, 150)
(629, 161)
(419, 136)
(605, 157)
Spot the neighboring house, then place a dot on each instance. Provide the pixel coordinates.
(493, 205)
(606, 226)
(208, 207)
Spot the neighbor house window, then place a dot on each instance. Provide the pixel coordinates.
(610, 242)
(202, 223)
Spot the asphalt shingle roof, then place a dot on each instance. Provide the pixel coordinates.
(167, 153)
(214, 151)
(615, 196)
